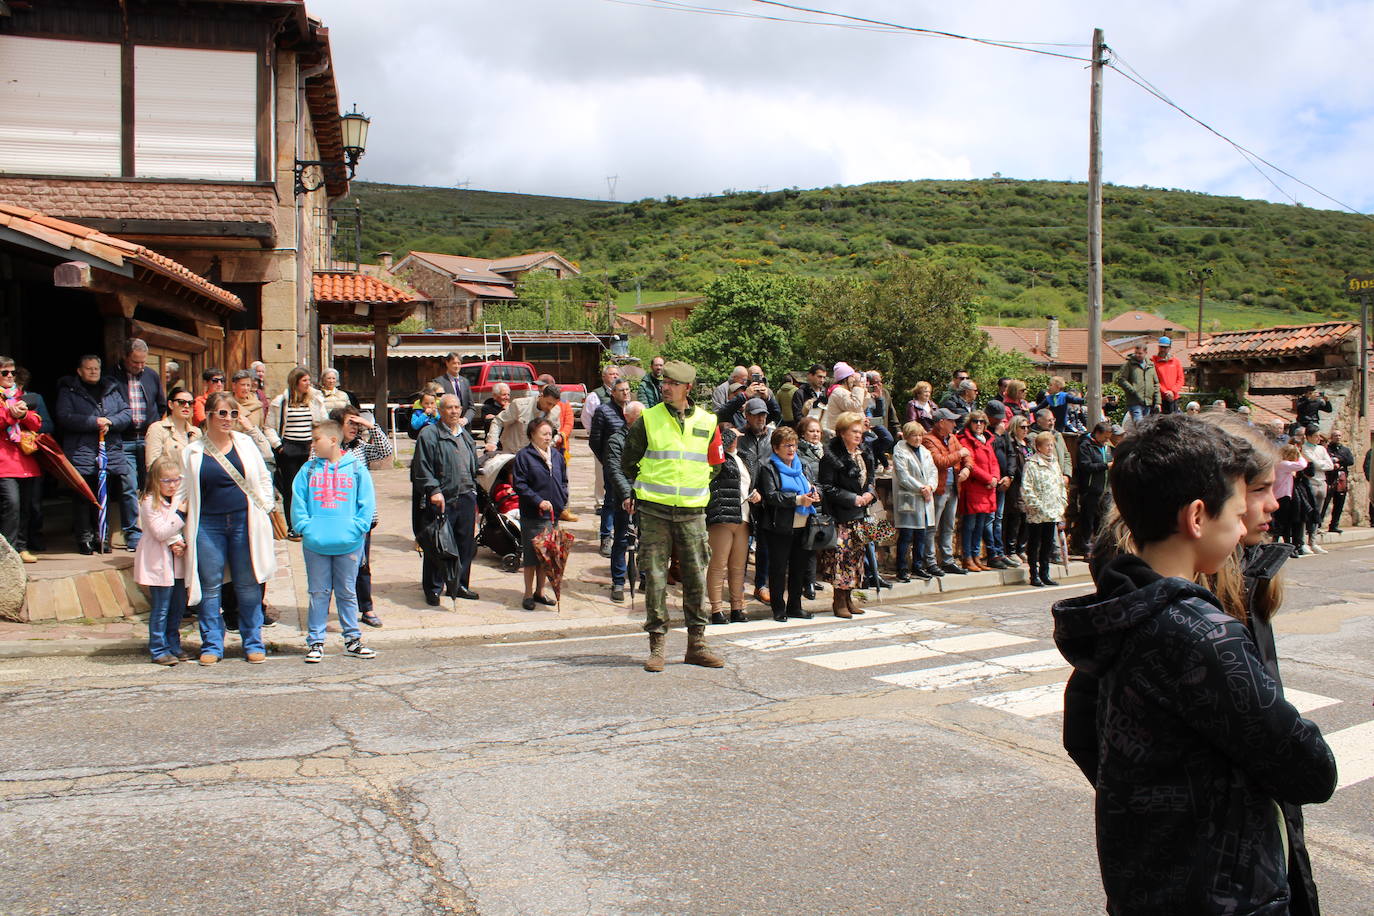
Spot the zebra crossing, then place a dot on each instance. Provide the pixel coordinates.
(981, 661)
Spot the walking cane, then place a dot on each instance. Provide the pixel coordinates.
(1063, 549)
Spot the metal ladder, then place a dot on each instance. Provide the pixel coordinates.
(493, 341)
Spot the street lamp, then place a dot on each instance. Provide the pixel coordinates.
(354, 127)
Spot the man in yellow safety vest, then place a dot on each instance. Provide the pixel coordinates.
(666, 464)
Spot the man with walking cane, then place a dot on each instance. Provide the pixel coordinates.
(668, 453)
(622, 521)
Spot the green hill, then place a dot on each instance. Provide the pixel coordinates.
(1024, 240)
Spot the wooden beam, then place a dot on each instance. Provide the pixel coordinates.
(167, 338)
(379, 361)
(183, 227)
(130, 293)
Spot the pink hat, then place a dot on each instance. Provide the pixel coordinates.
(842, 371)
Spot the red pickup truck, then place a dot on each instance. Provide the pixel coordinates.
(484, 376)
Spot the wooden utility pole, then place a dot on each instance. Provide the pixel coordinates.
(1201, 277)
(1095, 234)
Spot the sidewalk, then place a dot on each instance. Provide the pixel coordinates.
(497, 616)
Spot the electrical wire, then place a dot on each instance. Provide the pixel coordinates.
(672, 6)
(1250, 156)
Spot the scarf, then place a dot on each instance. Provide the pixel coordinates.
(12, 430)
(793, 480)
(546, 455)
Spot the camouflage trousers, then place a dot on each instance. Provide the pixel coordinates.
(659, 533)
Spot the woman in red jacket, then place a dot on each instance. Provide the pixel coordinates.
(978, 494)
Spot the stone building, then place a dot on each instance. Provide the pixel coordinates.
(460, 287)
(175, 126)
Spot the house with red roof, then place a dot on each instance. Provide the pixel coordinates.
(460, 287)
(1055, 350)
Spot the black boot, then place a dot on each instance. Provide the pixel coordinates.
(922, 574)
(717, 618)
(1045, 577)
(903, 576)
(808, 591)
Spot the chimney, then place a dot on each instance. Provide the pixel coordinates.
(1052, 340)
(384, 258)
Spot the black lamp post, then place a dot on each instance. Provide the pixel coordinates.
(354, 125)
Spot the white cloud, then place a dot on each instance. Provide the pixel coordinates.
(551, 96)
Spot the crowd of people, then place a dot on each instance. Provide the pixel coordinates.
(785, 478)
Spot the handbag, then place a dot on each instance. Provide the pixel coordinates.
(819, 533)
(273, 514)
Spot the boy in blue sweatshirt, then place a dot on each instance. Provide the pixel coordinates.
(331, 510)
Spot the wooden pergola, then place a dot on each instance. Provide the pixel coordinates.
(355, 298)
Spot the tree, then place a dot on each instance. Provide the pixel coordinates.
(917, 321)
(748, 317)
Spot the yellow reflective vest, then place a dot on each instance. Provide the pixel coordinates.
(676, 469)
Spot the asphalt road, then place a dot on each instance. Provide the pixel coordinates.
(903, 762)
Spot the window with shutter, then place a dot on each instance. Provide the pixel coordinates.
(195, 113)
(60, 105)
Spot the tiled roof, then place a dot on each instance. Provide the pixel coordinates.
(110, 250)
(351, 287)
(526, 261)
(114, 198)
(486, 290)
(458, 267)
(1073, 346)
(1286, 341)
(1138, 322)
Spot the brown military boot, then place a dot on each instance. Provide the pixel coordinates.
(697, 653)
(656, 643)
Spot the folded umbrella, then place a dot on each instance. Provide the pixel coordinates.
(437, 540)
(551, 548)
(56, 463)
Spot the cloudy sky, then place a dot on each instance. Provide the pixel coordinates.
(553, 96)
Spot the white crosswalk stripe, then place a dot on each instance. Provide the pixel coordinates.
(1354, 750)
(847, 633)
(886, 655)
(1353, 746)
(769, 623)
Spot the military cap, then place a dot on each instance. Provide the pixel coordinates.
(678, 371)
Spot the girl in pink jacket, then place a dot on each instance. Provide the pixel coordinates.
(158, 561)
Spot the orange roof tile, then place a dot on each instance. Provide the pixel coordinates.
(1288, 340)
(351, 287)
(112, 250)
(1073, 346)
(1138, 322)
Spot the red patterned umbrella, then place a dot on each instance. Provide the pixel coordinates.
(551, 546)
(55, 462)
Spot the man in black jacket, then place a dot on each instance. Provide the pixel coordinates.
(443, 477)
(142, 389)
(88, 407)
(1308, 405)
(452, 382)
(1337, 479)
(610, 416)
(1090, 479)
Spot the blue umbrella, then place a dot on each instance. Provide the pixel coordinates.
(100, 488)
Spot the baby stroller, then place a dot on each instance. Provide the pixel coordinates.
(496, 530)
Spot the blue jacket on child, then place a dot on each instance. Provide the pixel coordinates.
(332, 504)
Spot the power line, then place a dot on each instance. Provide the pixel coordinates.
(1249, 155)
(1014, 46)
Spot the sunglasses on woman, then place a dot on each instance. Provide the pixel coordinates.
(182, 402)
(230, 414)
(6, 372)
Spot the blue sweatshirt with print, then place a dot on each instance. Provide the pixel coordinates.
(332, 504)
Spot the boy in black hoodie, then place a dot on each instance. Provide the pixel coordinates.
(1169, 711)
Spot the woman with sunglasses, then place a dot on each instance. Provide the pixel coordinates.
(213, 380)
(227, 494)
(19, 470)
(171, 435)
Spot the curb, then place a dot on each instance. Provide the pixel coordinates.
(616, 625)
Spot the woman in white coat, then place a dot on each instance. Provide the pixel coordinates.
(227, 492)
(914, 480)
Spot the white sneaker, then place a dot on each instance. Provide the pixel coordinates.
(315, 654)
(1305, 551)
(1319, 548)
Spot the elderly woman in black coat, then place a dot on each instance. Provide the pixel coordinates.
(789, 497)
(540, 479)
(847, 486)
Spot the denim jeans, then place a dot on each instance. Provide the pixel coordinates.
(977, 531)
(10, 500)
(879, 438)
(336, 574)
(164, 619)
(914, 541)
(620, 541)
(222, 541)
(995, 546)
(1137, 412)
(128, 500)
(946, 504)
